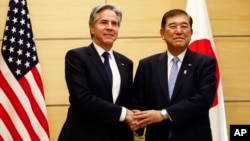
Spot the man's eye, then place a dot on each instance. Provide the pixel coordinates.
(103, 22)
(172, 27)
(184, 27)
(114, 23)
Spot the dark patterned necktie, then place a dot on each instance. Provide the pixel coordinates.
(107, 67)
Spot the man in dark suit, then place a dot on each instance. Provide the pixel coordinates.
(99, 99)
(181, 115)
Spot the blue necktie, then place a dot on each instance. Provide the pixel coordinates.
(107, 67)
(173, 76)
(171, 83)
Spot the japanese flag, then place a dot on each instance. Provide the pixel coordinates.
(202, 41)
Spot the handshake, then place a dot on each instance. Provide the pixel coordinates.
(140, 119)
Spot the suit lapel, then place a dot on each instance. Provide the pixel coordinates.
(183, 72)
(98, 64)
(121, 65)
(162, 69)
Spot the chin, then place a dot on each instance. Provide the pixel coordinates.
(180, 45)
(109, 41)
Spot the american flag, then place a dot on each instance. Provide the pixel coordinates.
(22, 104)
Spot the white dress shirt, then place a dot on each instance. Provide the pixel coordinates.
(170, 62)
(115, 74)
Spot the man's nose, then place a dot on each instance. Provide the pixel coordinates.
(109, 25)
(178, 29)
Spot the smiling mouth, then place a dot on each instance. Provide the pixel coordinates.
(110, 35)
(178, 39)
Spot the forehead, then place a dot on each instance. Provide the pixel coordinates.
(107, 14)
(182, 18)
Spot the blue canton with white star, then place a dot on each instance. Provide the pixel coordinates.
(18, 46)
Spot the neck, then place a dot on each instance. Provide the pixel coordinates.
(176, 51)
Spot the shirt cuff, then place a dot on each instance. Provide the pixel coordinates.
(123, 114)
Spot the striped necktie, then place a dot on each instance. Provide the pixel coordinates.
(173, 76)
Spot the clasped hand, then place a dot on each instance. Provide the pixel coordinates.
(140, 119)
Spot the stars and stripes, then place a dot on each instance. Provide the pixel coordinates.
(22, 104)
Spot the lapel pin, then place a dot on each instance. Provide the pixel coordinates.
(185, 72)
(122, 64)
(189, 65)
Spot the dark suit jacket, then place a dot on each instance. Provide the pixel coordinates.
(92, 116)
(193, 95)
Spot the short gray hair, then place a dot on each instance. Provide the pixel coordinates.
(94, 14)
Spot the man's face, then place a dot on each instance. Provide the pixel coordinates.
(177, 32)
(105, 30)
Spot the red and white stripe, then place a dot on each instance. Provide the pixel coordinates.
(22, 106)
(202, 41)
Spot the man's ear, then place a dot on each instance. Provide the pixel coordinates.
(162, 33)
(91, 28)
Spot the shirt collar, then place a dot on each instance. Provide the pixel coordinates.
(100, 51)
(180, 56)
